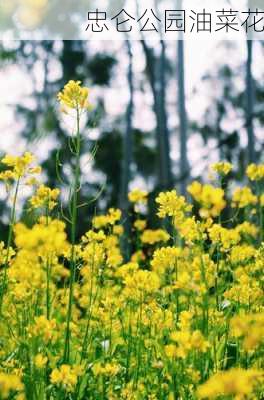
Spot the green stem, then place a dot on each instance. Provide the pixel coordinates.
(47, 271)
(205, 299)
(216, 279)
(48, 289)
(74, 207)
(139, 343)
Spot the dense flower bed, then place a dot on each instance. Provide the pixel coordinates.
(182, 319)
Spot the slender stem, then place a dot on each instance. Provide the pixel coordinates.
(48, 289)
(74, 208)
(47, 270)
(205, 298)
(139, 342)
(216, 278)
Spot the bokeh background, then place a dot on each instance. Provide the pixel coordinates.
(163, 112)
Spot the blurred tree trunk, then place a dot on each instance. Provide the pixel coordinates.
(250, 103)
(156, 72)
(183, 124)
(164, 130)
(127, 140)
(250, 92)
(127, 156)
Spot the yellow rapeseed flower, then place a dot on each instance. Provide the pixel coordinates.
(172, 205)
(40, 361)
(152, 236)
(74, 96)
(222, 168)
(66, 376)
(137, 196)
(18, 167)
(235, 382)
(45, 197)
(243, 197)
(210, 198)
(255, 172)
(10, 384)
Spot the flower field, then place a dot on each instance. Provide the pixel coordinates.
(182, 318)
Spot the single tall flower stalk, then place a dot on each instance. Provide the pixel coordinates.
(74, 214)
(73, 97)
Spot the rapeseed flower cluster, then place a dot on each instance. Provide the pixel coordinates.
(181, 318)
(44, 198)
(209, 197)
(74, 96)
(16, 168)
(222, 168)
